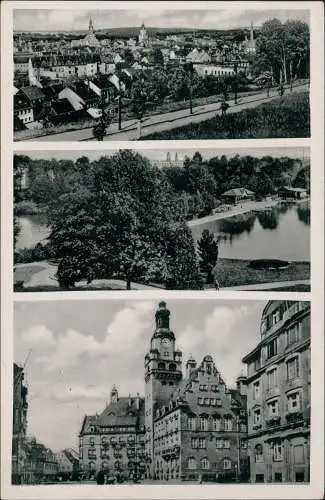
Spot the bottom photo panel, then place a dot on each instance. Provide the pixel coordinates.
(183, 391)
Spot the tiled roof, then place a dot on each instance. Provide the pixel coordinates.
(124, 412)
(33, 93)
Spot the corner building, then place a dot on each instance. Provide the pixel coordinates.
(278, 395)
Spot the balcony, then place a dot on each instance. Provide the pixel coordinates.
(296, 417)
(273, 422)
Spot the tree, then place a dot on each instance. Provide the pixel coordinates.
(122, 220)
(208, 250)
(158, 58)
(182, 272)
(139, 102)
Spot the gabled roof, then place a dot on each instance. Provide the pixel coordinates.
(62, 106)
(238, 192)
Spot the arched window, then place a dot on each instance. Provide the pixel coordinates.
(191, 463)
(226, 464)
(172, 367)
(216, 423)
(205, 464)
(228, 424)
(161, 366)
(258, 451)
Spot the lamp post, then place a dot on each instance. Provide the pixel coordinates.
(189, 70)
(238, 447)
(236, 82)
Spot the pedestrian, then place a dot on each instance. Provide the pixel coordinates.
(200, 478)
(224, 107)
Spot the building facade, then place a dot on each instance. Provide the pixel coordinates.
(114, 439)
(278, 395)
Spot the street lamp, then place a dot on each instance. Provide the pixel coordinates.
(236, 82)
(189, 70)
(238, 448)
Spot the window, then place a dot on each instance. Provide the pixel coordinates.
(293, 334)
(195, 443)
(294, 401)
(91, 441)
(205, 464)
(256, 390)
(191, 463)
(191, 424)
(202, 444)
(278, 477)
(219, 443)
(218, 402)
(257, 364)
(273, 408)
(161, 366)
(277, 451)
(200, 401)
(259, 453)
(293, 368)
(271, 378)
(272, 348)
(275, 317)
(257, 416)
(226, 443)
(172, 367)
(259, 478)
(213, 401)
(300, 477)
(226, 464)
(216, 424)
(204, 424)
(228, 424)
(207, 401)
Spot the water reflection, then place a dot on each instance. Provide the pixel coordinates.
(280, 232)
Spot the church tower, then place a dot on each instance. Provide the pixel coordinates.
(163, 372)
(91, 27)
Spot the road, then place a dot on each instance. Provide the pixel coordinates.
(274, 285)
(168, 121)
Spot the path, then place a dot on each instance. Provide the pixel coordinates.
(268, 286)
(241, 209)
(168, 121)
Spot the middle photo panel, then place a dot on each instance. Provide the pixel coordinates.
(186, 219)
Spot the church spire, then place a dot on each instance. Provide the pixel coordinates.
(252, 31)
(91, 27)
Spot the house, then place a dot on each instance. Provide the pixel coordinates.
(237, 195)
(23, 110)
(197, 56)
(292, 193)
(213, 70)
(278, 395)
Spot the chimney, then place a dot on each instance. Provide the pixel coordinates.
(241, 385)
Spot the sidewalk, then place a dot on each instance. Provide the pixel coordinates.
(276, 285)
(167, 121)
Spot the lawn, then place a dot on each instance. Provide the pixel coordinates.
(25, 273)
(236, 272)
(287, 116)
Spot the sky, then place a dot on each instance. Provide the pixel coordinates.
(294, 152)
(56, 20)
(80, 348)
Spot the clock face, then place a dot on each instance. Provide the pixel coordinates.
(165, 342)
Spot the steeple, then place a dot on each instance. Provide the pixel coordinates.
(252, 32)
(91, 27)
(168, 157)
(114, 394)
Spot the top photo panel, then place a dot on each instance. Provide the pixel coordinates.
(159, 74)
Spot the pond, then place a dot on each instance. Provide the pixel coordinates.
(282, 232)
(33, 230)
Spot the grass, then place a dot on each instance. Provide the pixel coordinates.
(236, 272)
(287, 116)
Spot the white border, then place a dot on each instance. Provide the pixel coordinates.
(316, 488)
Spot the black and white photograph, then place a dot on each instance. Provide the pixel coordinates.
(157, 73)
(199, 403)
(208, 219)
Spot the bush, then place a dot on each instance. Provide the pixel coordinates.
(288, 116)
(35, 254)
(26, 208)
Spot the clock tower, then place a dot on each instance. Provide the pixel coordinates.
(163, 372)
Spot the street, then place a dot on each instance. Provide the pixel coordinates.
(168, 121)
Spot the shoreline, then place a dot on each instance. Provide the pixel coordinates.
(242, 209)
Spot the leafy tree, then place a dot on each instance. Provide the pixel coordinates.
(208, 250)
(129, 57)
(16, 230)
(158, 57)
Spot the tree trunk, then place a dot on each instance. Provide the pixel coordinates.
(284, 63)
(128, 283)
